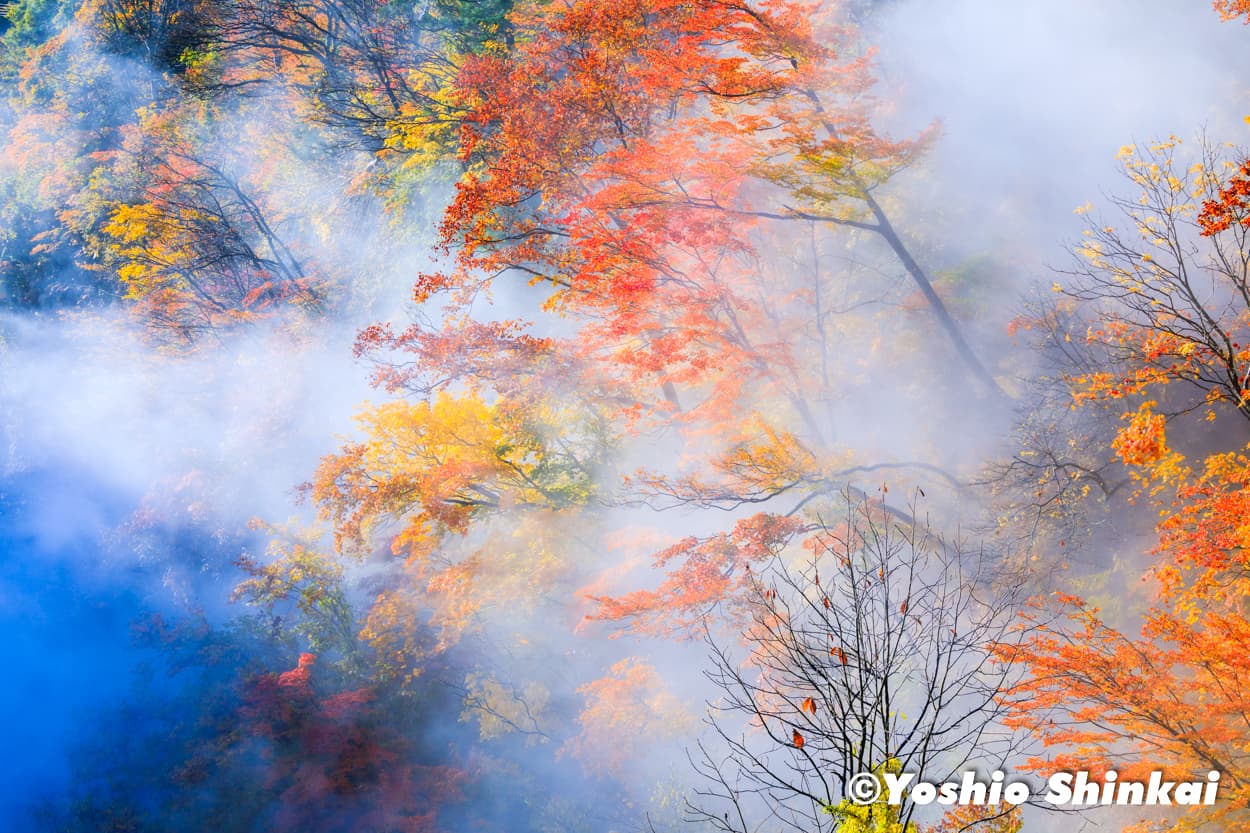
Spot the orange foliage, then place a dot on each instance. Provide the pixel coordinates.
(1206, 535)
(1231, 206)
(581, 178)
(1171, 699)
(628, 712)
(1142, 441)
(709, 571)
(1232, 9)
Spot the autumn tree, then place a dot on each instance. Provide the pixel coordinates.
(157, 32)
(1170, 283)
(196, 248)
(689, 303)
(1168, 698)
(99, 157)
(1147, 325)
(1161, 292)
(68, 114)
(351, 59)
(365, 70)
(579, 177)
(141, 165)
(1144, 337)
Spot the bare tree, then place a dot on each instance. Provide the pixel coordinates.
(876, 652)
(1058, 476)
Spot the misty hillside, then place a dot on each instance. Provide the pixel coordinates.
(630, 417)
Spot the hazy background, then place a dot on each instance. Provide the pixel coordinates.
(1034, 101)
